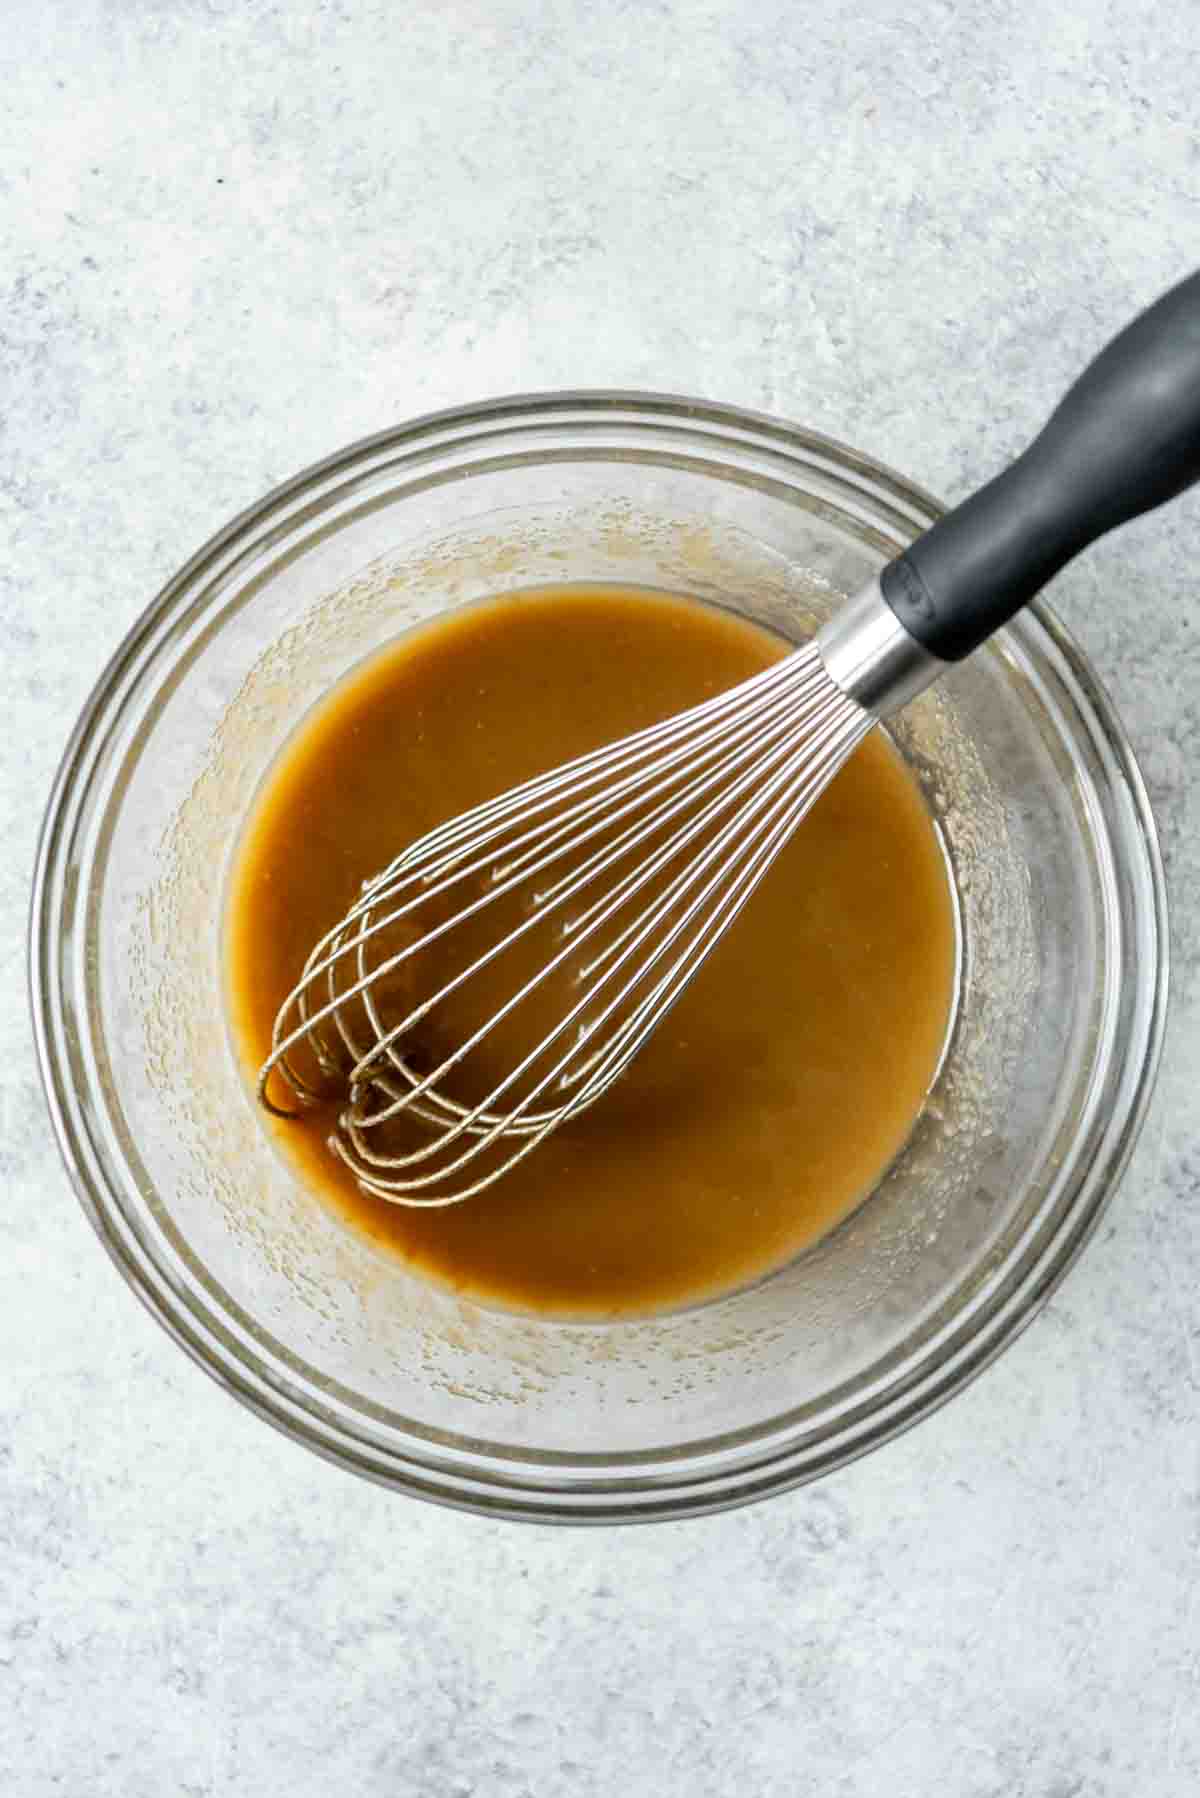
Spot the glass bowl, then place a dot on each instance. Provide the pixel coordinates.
(1042, 1089)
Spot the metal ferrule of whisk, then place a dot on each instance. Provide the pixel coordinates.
(633, 860)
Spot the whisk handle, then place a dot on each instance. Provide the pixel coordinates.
(1125, 438)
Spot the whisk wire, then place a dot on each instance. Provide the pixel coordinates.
(783, 817)
(332, 946)
(681, 820)
(603, 909)
(627, 943)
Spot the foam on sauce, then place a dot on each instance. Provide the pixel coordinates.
(782, 1084)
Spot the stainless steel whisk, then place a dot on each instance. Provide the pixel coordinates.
(631, 862)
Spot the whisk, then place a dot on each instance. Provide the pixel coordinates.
(593, 893)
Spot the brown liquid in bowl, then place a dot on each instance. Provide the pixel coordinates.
(787, 1077)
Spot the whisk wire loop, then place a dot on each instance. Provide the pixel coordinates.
(637, 857)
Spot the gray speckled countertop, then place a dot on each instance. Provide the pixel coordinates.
(235, 234)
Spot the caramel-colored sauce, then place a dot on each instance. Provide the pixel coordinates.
(782, 1084)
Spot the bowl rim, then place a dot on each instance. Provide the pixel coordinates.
(537, 1490)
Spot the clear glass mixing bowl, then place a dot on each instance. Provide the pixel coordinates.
(1033, 1116)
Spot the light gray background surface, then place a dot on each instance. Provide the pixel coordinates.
(235, 235)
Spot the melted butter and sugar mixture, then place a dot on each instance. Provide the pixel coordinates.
(784, 1081)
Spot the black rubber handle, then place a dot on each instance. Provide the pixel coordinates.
(1125, 438)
